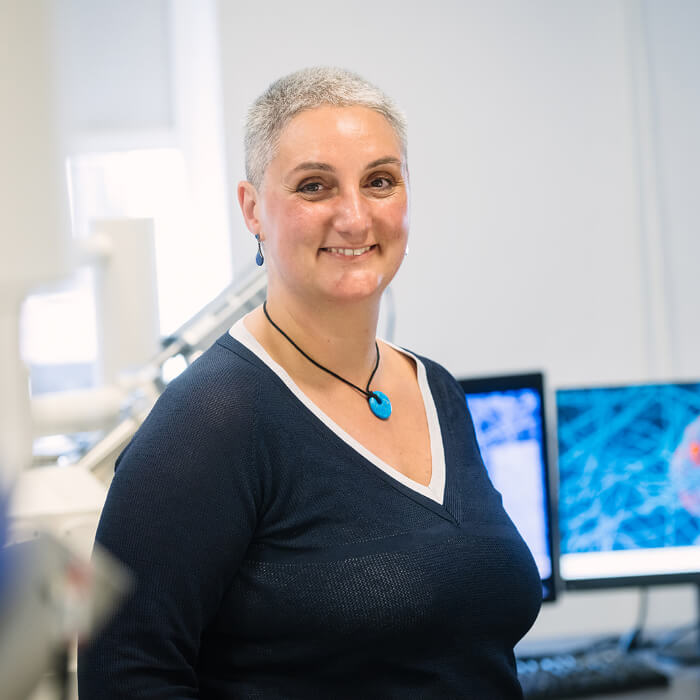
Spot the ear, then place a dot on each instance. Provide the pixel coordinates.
(248, 198)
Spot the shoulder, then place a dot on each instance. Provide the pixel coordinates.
(446, 392)
(438, 371)
(444, 386)
(439, 377)
(224, 374)
(220, 383)
(211, 407)
(199, 446)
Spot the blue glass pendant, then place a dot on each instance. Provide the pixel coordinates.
(259, 260)
(380, 406)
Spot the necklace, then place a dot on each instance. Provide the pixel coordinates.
(378, 401)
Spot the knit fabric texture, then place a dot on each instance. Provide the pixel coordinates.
(273, 561)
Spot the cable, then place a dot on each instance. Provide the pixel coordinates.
(633, 639)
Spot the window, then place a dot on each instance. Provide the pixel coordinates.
(59, 330)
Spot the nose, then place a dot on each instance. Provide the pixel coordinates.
(352, 216)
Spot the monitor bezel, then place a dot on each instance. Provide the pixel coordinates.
(534, 380)
(634, 580)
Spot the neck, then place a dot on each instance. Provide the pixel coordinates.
(339, 338)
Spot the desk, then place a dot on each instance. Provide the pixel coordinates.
(685, 685)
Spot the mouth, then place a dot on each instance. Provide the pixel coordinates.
(349, 252)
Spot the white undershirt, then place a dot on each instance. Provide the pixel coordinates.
(435, 490)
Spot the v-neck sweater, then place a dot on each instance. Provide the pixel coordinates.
(436, 488)
(273, 559)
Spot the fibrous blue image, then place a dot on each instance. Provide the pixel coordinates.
(509, 433)
(685, 469)
(629, 467)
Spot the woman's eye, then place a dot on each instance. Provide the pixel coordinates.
(381, 183)
(310, 188)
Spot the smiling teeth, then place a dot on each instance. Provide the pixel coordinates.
(349, 251)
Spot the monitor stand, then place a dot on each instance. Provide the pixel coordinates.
(687, 650)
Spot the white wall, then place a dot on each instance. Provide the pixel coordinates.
(673, 28)
(552, 155)
(115, 58)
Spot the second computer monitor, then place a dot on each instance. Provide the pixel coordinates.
(508, 412)
(629, 492)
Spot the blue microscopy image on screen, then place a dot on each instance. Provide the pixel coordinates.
(685, 468)
(629, 467)
(509, 433)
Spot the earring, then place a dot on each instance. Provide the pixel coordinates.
(259, 258)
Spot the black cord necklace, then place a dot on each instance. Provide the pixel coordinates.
(378, 401)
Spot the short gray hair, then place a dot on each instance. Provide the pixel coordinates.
(306, 89)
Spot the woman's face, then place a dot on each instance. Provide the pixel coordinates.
(333, 207)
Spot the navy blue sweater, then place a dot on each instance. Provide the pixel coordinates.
(272, 560)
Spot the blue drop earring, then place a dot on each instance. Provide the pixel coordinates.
(259, 258)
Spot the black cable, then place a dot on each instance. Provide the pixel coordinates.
(628, 642)
(367, 393)
(633, 639)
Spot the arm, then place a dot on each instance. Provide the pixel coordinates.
(180, 513)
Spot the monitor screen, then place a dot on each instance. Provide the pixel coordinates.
(629, 484)
(509, 419)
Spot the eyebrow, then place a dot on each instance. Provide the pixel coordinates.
(388, 160)
(311, 165)
(314, 165)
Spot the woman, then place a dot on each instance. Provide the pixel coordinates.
(305, 510)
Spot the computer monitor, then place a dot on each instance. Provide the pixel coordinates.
(508, 412)
(629, 484)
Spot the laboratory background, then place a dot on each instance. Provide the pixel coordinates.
(554, 157)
